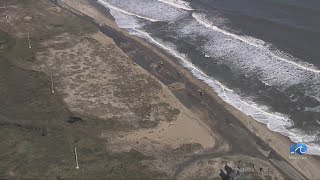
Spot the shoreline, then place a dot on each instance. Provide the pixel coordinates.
(275, 142)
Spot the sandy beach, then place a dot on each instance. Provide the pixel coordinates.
(274, 142)
(131, 109)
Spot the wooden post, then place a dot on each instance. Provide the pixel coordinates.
(76, 155)
(29, 41)
(52, 88)
(5, 9)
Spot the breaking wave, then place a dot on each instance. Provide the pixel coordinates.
(275, 121)
(201, 18)
(152, 10)
(125, 12)
(178, 4)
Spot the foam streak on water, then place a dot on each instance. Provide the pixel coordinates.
(152, 10)
(125, 12)
(178, 4)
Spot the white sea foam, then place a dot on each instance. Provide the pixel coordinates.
(250, 57)
(125, 12)
(178, 4)
(152, 10)
(274, 121)
(201, 18)
(314, 109)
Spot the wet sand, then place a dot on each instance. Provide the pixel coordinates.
(244, 135)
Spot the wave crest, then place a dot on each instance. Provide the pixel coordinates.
(257, 43)
(178, 4)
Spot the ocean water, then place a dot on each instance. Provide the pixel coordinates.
(261, 56)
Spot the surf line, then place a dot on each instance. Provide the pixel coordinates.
(205, 78)
(188, 63)
(176, 4)
(126, 12)
(264, 112)
(202, 20)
